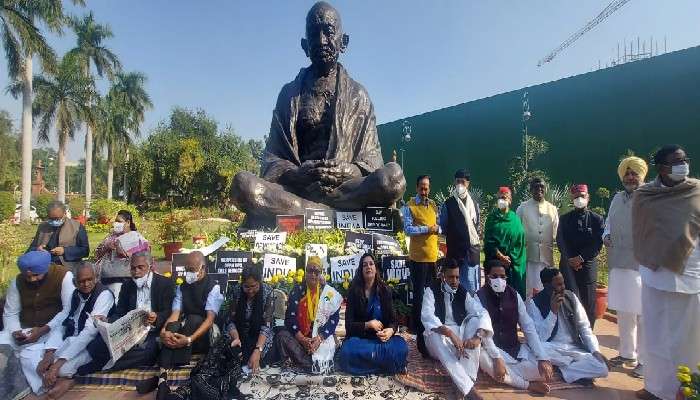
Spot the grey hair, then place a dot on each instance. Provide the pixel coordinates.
(55, 204)
(83, 265)
(145, 253)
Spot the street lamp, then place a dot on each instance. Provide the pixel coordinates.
(405, 138)
(526, 117)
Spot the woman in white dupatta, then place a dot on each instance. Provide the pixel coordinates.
(313, 312)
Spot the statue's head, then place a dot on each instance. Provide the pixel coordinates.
(324, 39)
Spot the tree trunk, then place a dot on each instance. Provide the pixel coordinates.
(62, 143)
(126, 187)
(88, 167)
(27, 140)
(110, 171)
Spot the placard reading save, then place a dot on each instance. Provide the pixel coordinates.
(396, 267)
(344, 265)
(318, 219)
(269, 241)
(178, 266)
(349, 220)
(274, 264)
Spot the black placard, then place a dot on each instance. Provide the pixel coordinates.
(318, 219)
(385, 245)
(232, 263)
(178, 266)
(379, 219)
(221, 280)
(396, 267)
(359, 240)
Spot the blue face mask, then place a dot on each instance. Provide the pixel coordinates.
(55, 222)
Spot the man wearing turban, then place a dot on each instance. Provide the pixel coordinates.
(625, 290)
(38, 301)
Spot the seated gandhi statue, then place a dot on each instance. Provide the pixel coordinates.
(323, 150)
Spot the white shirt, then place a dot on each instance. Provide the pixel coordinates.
(13, 305)
(540, 221)
(545, 326)
(143, 294)
(664, 279)
(214, 300)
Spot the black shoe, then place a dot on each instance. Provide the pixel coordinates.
(585, 382)
(620, 361)
(147, 386)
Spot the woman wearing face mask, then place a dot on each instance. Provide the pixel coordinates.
(504, 240)
(111, 261)
(371, 346)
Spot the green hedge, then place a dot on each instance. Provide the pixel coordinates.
(7, 205)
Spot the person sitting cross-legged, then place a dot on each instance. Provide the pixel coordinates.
(371, 345)
(455, 324)
(91, 300)
(313, 312)
(524, 366)
(565, 332)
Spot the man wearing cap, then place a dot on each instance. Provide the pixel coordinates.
(580, 238)
(540, 219)
(38, 301)
(459, 221)
(65, 238)
(625, 284)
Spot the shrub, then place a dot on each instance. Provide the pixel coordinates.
(7, 205)
(41, 202)
(76, 205)
(173, 227)
(104, 208)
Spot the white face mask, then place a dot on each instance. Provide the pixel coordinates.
(502, 204)
(140, 282)
(498, 284)
(191, 277)
(580, 202)
(118, 227)
(679, 172)
(461, 191)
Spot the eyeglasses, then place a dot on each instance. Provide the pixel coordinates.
(313, 271)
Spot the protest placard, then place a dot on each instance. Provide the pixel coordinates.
(378, 219)
(349, 220)
(121, 335)
(318, 219)
(275, 264)
(177, 268)
(221, 280)
(320, 250)
(358, 242)
(269, 242)
(232, 263)
(290, 223)
(396, 268)
(385, 245)
(340, 266)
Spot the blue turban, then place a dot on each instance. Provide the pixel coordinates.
(35, 261)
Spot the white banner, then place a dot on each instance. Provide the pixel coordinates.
(123, 334)
(342, 265)
(320, 250)
(349, 220)
(269, 241)
(274, 264)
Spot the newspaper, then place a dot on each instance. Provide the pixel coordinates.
(123, 334)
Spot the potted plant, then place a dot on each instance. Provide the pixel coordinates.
(77, 208)
(172, 230)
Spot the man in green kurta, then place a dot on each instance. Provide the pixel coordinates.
(504, 239)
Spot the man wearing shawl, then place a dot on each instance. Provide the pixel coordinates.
(666, 226)
(38, 301)
(322, 150)
(564, 330)
(313, 312)
(580, 238)
(504, 239)
(625, 284)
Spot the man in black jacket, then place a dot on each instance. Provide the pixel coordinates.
(146, 290)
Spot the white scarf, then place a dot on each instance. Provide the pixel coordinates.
(328, 304)
(469, 212)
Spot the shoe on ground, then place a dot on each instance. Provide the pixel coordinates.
(620, 361)
(150, 384)
(638, 372)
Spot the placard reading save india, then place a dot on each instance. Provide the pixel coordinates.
(349, 220)
(269, 241)
(275, 264)
(342, 265)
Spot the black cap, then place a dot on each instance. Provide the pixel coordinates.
(462, 174)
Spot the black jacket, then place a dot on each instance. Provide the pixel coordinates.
(356, 314)
(162, 295)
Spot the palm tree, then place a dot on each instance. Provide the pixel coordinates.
(22, 40)
(122, 113)
(91, 51)
(63, 101)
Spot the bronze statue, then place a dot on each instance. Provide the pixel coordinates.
(323, 150)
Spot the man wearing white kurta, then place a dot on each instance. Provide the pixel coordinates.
(37, 302)
(455, 323)
(625, 284)
(89, 301)
(666, 225)
(540, 219)
(565, 331)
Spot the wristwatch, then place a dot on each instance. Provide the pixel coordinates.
(189, 340)
(259, 348)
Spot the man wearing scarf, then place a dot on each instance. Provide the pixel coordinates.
(666, 226)
(564, 330)
(625, 284)
(524, 366)
(580, 238)
(67, 351)
(504, 240)
(313, 312)
(455, 324)
(38, 301)
(459, 221)
(65, 238)
(540, 219)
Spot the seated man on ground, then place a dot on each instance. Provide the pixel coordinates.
(565, 332)
(187, 330)
(523, 366)
(247, 341)
(65, 238)
(91, 300)
(145, 290)
(38, 300)
(455, 324)
(313, 312)
(371, 345)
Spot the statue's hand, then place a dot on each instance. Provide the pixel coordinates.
(309, 171)
(334, 173)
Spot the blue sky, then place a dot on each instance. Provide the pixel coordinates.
(232, 57)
